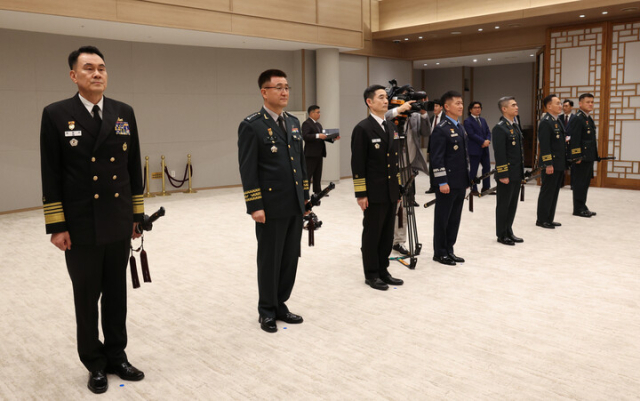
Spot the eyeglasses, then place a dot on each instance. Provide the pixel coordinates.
(279, 88)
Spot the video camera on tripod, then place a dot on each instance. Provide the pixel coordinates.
(399, 95)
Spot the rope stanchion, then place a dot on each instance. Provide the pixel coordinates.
(179, 183)
(164, 169)
(147, 180)
(190, 169)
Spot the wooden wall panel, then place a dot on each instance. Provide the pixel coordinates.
(253, 26)
(81, 9)
(139, 12)
(344, 38)
(285, 10)
(344, 14)
(213, 5)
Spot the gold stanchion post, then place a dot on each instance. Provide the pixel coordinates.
(148, 194)
(164, 192)
(190, 190)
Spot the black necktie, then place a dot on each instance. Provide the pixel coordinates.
(96, 115)
(281, 125)
(478, 120)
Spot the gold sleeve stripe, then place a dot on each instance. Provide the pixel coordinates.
(251, 191)
(253, 198)
(52, 205)
(305, 185)
(546, 158)
(502, 169)
(359, 181)
(575, 151)
(53, 213)
(138, 208)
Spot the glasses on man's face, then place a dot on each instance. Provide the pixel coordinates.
(279, 88)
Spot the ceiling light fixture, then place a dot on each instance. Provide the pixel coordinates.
(437, 63)
(475, 60)
(488, 59)
(456, 33)
(419, 37)
(605, 12)
(426, 65)
(497, 27)
(532, 55)
(581, 15)
(480, 29)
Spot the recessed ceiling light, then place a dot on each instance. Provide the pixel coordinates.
(456, 33)
(396, 41)
(475, 60)
(426, 65)
(488, 59)
(419, 37)
(437, 63)
(605, 12)
(497, 27)
(480, 29)
(532, 55)
(581, 15)
(406, 38)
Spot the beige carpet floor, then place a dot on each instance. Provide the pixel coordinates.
(554, 318)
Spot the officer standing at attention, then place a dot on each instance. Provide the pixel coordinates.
(552, 158)
(375, 144)
(509, 156)
(92, 196)
(315, 149)
(273, 173)
(450, 164)
(584, 147)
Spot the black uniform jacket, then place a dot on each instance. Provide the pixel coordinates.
(313, 147)
(583, 137)
(508, 151)
(91, 181)
(552, 145)
(272, 166)
(374, 161)
(449, 157)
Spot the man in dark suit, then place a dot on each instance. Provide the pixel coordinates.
(566, 116)
(92, 196)
(509, 156)
(479, 141)
(584, 148)
(376, 180)
(274, 178)
(450, 164)
(552, 160)
(314, 147)
(434, 120)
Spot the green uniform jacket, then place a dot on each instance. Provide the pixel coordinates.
(91, 178)
(583, 141)
(552, 145)
(272, 165)
(507, 150)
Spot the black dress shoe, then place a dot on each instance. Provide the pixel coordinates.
(553, 223)
(126, 372)
(506, 241)
(592, 213)
(455, 258)
(415, 204)
(376, 284)
(268, 324)
(400, 248)
(545, 225)
(584, 213)
(516, 239)
(98, 383)
(445, 260)
(291, 318)
(392, 280)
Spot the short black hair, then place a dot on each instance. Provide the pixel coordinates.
(585, 95)
(472, 104)
(73, 57)
(448, 96)
(568, 101)
(313, 107)
(268, 74)
(370, 92)
(548, 99)
(502, 102)
(438, 102)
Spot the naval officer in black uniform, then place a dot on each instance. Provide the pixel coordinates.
(509, 156)
(450, 164)
(551, 137)
(584, 147)
(273, 173)
(376, 179)
(92, 195)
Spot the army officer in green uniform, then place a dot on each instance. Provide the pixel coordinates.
(274, 179)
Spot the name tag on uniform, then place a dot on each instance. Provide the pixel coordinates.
(452, 135)
(73, 133)
(374, 140)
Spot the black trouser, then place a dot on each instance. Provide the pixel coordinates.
(506, 206)
(278, 253)
(96, 270)
(548, 197)
(484, 159)
(446, 221)
(377, 238)
(314, 172)
(581, 175)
